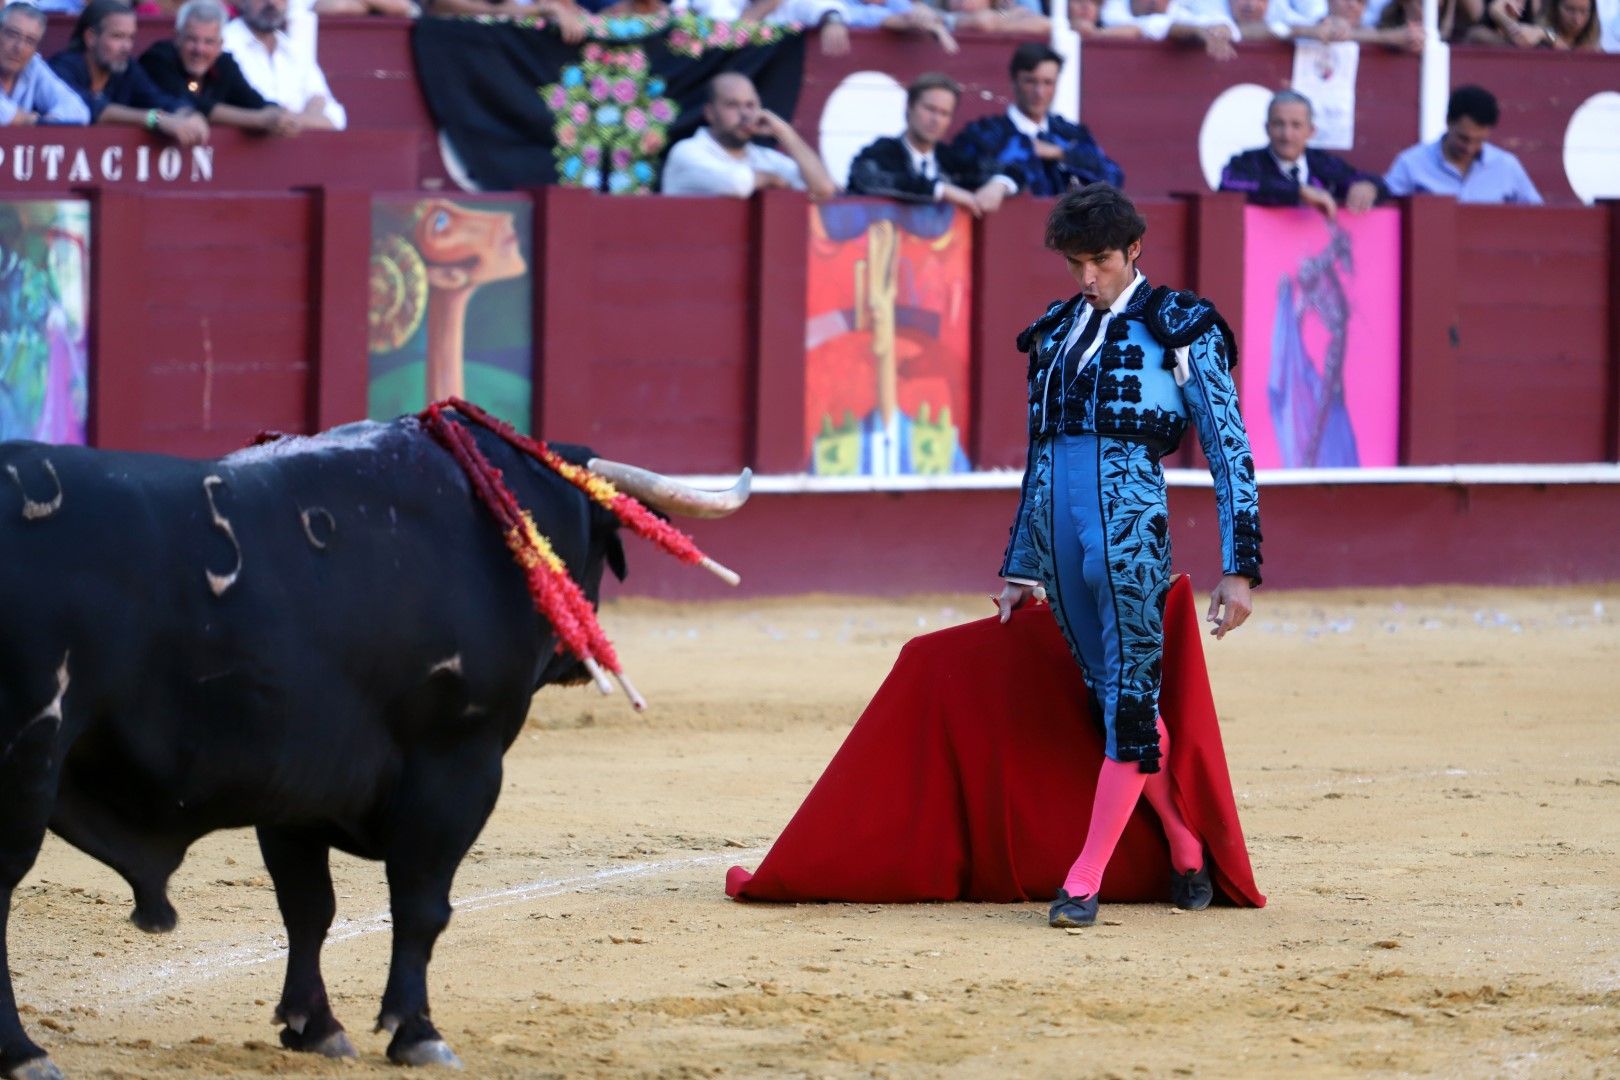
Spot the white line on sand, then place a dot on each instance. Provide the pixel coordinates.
(142, 983)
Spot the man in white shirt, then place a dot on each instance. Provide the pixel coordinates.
(1208, 22)
(722, 159)
(278, 68)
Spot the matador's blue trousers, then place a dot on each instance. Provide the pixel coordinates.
(1101, 535)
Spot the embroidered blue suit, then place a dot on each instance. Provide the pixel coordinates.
(1002, 148)
(1092, 523)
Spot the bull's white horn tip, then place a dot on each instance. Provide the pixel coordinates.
(724, 573)
(603, 684)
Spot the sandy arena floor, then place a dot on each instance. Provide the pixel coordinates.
(1430, 782)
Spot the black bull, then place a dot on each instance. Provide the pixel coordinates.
(324, 638)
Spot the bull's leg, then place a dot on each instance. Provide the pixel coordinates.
(300, 866)
(28, 777)
(443, 805)
(144, 859)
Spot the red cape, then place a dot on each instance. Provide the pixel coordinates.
(971, 773)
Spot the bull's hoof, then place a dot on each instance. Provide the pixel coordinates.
(429, 1052)
(335, 1044)
(40, 1068)
(157, 918)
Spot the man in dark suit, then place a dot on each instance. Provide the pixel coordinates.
(1043, 153)
(1288, 173)
(195, 67)
(915, 167)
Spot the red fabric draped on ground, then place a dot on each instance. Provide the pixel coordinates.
(970, 776)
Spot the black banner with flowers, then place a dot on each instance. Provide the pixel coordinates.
(523, 109)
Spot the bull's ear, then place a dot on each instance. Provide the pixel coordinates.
(615, 556)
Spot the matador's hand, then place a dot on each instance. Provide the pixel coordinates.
(1013, 595)
(1229, 605)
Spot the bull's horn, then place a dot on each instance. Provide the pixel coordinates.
(671, 496)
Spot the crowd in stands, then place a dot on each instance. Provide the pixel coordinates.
(1029, 149)
(245, 71)
(256, 70)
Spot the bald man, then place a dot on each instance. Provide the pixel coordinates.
(722, 158)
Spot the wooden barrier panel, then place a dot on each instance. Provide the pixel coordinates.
(1533, 365)
(647, 343)
(204, 313)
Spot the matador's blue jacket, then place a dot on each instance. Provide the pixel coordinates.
(1128, 390)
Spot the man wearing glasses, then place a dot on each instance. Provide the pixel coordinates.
(30, 93)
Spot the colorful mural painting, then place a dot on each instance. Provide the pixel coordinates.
(44, 313)
(886, 339)
(1320, 377)
(451, 297)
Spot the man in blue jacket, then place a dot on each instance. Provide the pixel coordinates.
(1286, 172)
(1045, 154)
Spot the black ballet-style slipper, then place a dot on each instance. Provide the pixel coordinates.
(1193, 890)
(1070, 911)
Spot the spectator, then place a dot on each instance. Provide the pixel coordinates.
(195, 68)
(995, 16)
(722, 159)
(1287, 172)
(1085, 19)
(278, 69)
(1506, 23)
(30, 92)
(97, 66)
(1462, 162)
(404, 9)
(916, 168)
(1345, 22)
(566, 15)
(827, 15)
(1203, 21)
(1042, 153)
(901, 16)
(1572, 24)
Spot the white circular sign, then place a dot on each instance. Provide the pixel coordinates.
(865, 105)
(1592, 148)
(1235, 122)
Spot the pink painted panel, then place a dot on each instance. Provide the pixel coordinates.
(1320, 375)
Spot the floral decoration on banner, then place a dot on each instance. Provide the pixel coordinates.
(611, 120)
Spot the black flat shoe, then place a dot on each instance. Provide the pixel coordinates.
(1073, 910)
(1193, 890)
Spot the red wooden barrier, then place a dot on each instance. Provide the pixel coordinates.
(205, 318)
(1533, 367)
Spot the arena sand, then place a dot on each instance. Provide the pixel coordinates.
(1430, 781)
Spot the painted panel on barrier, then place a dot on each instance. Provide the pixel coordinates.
(44, 312)
(1320, 369)
(886, 339)
(451, 297)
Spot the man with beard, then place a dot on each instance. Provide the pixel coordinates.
(30, 92)
(97, 66)
(278, 68)
(195, 68)
(722, 159)
(1043, 153)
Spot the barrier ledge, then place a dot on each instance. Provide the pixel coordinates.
(1008, 479)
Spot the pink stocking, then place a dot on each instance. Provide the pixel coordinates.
(1119, 786)
(1186, 849)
